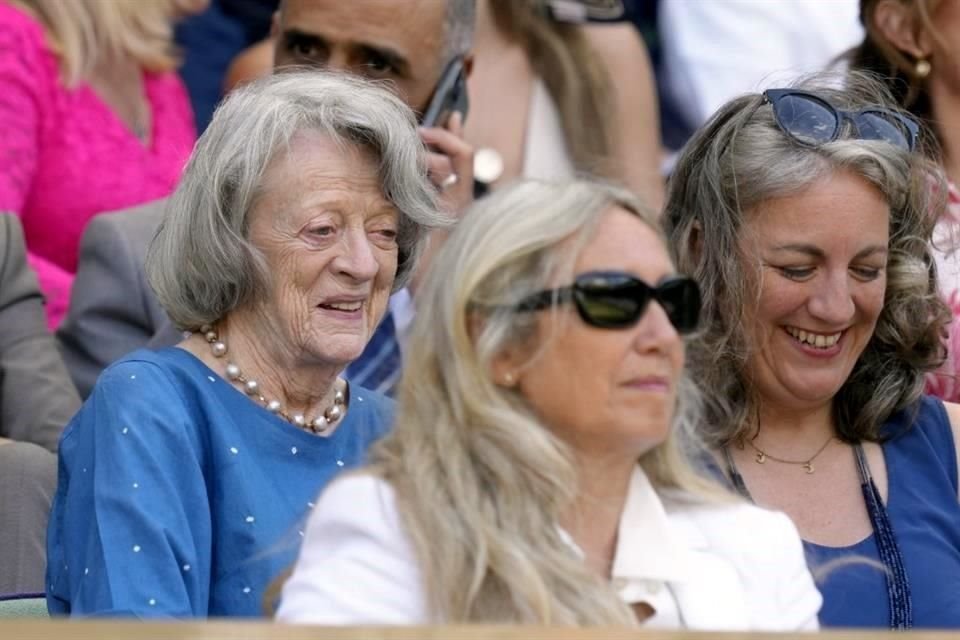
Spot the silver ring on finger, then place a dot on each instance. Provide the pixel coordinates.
(449, 181)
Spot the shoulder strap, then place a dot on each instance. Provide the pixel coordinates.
(734, 475)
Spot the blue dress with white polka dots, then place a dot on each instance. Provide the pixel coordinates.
(180, 497)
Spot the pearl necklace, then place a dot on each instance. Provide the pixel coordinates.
(319, 425)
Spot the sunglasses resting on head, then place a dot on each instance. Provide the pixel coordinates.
(811, 120)
(617, 300)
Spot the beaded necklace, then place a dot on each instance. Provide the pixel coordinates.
(319, 424)
(899, 595)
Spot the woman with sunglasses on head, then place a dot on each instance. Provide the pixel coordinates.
(805, 215)
(913, 45)
(537, 472)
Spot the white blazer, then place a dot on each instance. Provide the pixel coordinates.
(728, 567)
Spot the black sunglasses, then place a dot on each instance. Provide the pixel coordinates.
(616, 300)
(812, 121)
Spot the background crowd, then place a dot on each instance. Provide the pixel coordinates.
(532, 311)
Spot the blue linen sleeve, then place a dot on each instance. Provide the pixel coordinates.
(130, 529)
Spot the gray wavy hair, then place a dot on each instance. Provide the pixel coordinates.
(741, 158)
(469, 458)
(200, 263)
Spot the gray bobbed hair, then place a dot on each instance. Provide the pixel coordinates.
(740, 159)
(201, 264)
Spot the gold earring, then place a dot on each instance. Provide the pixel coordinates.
(922, 68)
(508, 379)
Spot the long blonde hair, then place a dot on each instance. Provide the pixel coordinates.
(83, 33)
(481, 483)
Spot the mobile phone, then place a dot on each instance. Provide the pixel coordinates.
(449, 96)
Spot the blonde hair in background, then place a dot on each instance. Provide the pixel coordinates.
(574, 75)
(84, 33)
(481, 484)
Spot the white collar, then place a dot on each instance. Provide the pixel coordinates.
(647, 544)
(648, 548)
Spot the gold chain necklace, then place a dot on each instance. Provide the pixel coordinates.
(762, 456)
(319, 424)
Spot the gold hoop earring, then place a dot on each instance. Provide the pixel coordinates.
(922, 68)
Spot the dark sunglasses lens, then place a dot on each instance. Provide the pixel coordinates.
(875, 125)
(611, 302)
(806, 119)
(618, 303)
(680, 298)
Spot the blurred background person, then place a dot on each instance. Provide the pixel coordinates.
(551, 96)
(186, 472)
(537, 472)
(913, 45)
(210, 40)
(806, 215)
(94, 118)
(36, 401)
(714, 51)
(550, 99)
(250, 63)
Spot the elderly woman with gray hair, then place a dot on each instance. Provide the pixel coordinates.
(806, 214)
(538, 470)
(185, 475)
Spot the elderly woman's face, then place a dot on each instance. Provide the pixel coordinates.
(820, 261)
(330, 240)
(609, 391)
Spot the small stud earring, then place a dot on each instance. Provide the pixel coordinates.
(508, 379)
(922, 68)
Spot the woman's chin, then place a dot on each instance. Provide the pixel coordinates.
(339, 355)
(816, 391)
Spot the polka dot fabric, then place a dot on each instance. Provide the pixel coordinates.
(179, 497)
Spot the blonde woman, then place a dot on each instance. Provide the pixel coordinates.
(537, 470)
(94, 119)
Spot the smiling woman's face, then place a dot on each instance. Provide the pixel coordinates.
(329, 238)
(608, 391)
(817, 264)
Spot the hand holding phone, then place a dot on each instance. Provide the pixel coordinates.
(449, 96)
(450, 157)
